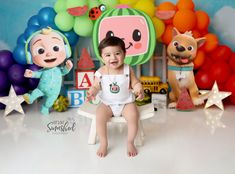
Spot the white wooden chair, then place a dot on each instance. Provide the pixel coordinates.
(89, 110)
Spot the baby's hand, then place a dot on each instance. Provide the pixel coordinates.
(139, 92)
(28, 73)
(91, 93)
(69, 64)
(89, 96)
(140, 95)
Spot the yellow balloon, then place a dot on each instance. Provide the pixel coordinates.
(146, 6)
(159, 26)
(128, 2)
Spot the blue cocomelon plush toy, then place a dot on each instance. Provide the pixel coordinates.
(47, 48)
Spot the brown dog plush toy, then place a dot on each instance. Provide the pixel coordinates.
(181, 52)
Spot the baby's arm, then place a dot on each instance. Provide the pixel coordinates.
(136, 85)
(94, 89)
(32, 74)
(68, 66)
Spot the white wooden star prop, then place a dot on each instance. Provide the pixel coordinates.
(216, 97)
(12, 102)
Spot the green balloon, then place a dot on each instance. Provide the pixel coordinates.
(83, 26)
(109, 3)
(60, 5)
(75, 3)
(93, 3)
(64, 21)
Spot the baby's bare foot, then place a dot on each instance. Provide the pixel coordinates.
(102, 151)
(131, 150)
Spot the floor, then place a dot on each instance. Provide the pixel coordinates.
(201, 141)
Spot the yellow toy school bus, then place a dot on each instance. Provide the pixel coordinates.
(153, 84)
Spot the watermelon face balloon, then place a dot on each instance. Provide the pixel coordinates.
(133, 26)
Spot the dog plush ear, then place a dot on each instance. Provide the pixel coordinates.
(200, 41)
(175, 32)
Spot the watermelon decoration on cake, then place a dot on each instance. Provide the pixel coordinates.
(85, 61)
(133, 26)
(185, 102)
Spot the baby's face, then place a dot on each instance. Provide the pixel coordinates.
(113, 56)
(48, 50)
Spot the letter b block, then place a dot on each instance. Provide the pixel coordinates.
(76, 97)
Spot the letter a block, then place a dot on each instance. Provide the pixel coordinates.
(84, 79)
(76, 97)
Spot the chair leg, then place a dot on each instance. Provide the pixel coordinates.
(141, 129)
(92, 135)
(139, 138)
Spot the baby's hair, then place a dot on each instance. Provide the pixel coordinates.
(111, 41)
(46, 31)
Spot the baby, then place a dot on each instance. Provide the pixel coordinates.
(47, 48)
(114, 81)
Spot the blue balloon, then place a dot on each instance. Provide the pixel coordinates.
(19, 55)
(46, 16)
(33, 21)
(21, 39)
(30, 30)
(52, 25)
(72, 37)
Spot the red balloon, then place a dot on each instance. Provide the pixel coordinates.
(206, 64)
(222, 86)
(221, 53)
(230, 84)
(203, 80)
(232, 62)
(220, 71)
(232, 99)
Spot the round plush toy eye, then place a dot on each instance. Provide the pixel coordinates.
(175, 43)
(39, 50)
(102, 7)
(56, 48)
(190, 48)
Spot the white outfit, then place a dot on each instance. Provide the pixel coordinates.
(115, 90)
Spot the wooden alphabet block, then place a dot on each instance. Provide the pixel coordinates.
(84, 79)
(76, 97)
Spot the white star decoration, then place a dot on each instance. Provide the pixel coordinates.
(216, 97)
(12, 102)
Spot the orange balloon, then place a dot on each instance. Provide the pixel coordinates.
(203, 20)
(196, 34)
(185, 4)
(199, 59)
(167, 35)
(211, 42)
(167, 6)
(185, 20)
